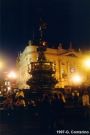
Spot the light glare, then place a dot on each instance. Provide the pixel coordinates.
(87, 63)
(77, 79)
(12, 75)
(1, 65)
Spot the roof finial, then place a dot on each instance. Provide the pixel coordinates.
(60, 46)
(33, 35)
(70, 46)
(79, 49)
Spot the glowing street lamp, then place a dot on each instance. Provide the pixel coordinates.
(87, 63)
(12, 75)
(12, 78)
(76, 79)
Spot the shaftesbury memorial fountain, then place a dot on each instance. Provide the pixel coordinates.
(42, 71)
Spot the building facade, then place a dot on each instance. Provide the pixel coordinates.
(68, 63)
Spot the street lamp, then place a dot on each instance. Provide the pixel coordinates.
(77, 79)
(12, 75)
(12, 78)
(87, 63)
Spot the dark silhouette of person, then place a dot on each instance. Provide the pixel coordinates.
(57, 109)
(45, 113)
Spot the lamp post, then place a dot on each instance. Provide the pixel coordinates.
(12, 78)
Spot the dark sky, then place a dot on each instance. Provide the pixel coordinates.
(68, 20)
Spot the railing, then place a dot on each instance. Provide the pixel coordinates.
(44, 66)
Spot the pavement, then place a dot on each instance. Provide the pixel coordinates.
(72, 119)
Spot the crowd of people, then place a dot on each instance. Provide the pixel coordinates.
(49, 108)
(20, 98)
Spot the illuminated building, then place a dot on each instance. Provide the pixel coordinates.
(67, 62)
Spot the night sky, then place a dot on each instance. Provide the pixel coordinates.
(67, 20)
